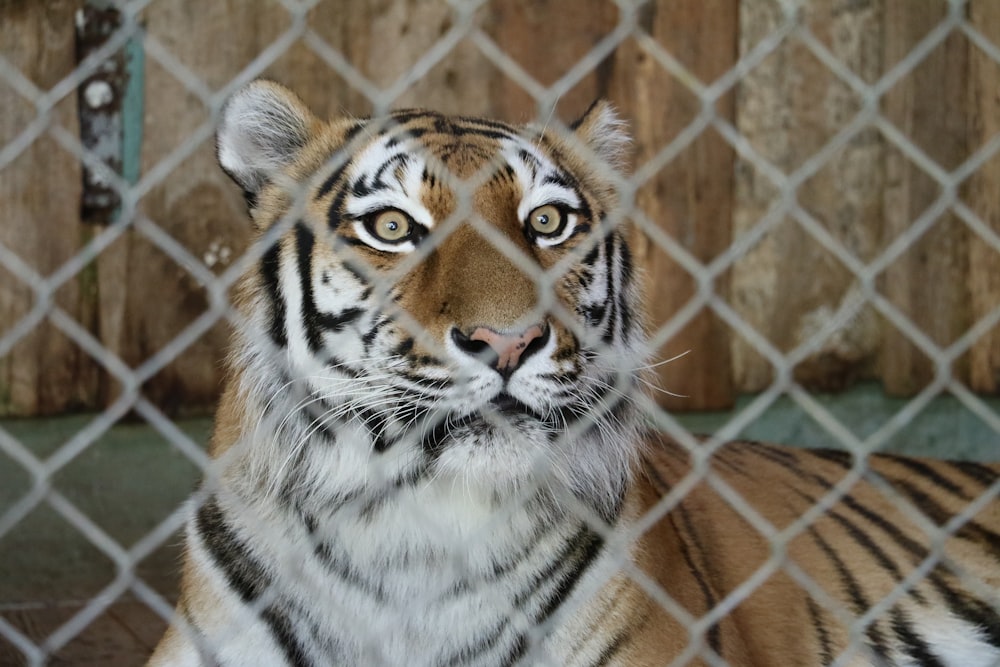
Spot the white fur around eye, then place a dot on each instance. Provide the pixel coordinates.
(537, 190)
(547, 193)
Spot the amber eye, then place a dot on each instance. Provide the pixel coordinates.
(547, 220)
(390, 225)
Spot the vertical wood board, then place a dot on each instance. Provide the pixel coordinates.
(927, 283)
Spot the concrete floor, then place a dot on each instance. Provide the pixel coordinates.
(127, 482)
(130, 479)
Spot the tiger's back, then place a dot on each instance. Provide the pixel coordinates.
(849, 549)
(431, 448)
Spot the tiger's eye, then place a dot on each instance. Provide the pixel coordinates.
(546, 220)
(391, 226)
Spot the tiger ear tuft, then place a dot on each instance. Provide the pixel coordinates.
(604, 132)
(263, 127)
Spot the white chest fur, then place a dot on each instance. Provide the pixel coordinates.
(430, 576)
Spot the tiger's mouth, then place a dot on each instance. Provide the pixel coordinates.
(503, 414)
(507, 405)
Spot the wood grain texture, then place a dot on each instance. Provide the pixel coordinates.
(928, 282)
(547, 40)
(690, 198)
(983, 197)
(45, 372)
(788, 287)
(148, 297)
(135, 298)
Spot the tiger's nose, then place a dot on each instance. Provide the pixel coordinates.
(501, 351)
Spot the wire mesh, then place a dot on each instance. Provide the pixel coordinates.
(787, 183)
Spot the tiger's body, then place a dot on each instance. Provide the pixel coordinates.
(431, 448)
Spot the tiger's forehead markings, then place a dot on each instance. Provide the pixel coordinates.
(414, 157)
(388, 173)
(541, 180)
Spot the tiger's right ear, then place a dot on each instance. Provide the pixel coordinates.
(264, 126)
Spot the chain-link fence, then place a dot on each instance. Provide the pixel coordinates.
(915, 303)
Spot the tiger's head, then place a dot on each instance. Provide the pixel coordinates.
(448, 296)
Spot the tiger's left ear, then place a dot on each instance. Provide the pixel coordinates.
(604, 132)
(263, 127)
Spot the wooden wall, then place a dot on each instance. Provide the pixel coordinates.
(134, 298)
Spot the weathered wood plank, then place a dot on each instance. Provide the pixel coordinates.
(45, 372)
(928, 283)
(787, 107)
(547, 40)
(788, 286)
(195, 203)
(984, 198)
(691, 197)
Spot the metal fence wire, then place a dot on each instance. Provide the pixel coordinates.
(123, 193)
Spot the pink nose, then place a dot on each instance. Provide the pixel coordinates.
(509, 348)
(502, 351)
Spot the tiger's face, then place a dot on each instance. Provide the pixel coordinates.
(453, 289)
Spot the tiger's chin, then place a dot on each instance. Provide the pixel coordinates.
(498, 453)
(508, 450)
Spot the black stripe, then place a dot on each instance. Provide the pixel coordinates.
(971, 610)
(839, 456)
(397, 160)
(579, 556)
(575, 125)
(404, 347)
(978, 472)
(516, 651)
(865, 541)
(243, 572)
(281, 626)
(557, 562)
(337, 364)
(246, 576)
(860, 604)
(784, 457)
(332, 179)
(624, 281)
(612, 324)
(556, 178)
(930, 474)
(250, 197)
(913, 645)
(338, 321)
(488, 124)
(714, 638)
(304, 242)
(349, 574)
(406, 115)
(621, 638)
(369, 336)
(376, 424)
(327, 186)
(822, 634)
(469, 654)
(314, 322)
(270, 272)
(460, 131)
(427, 387)
(971, 530)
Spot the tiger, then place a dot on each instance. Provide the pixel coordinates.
(436, 445)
